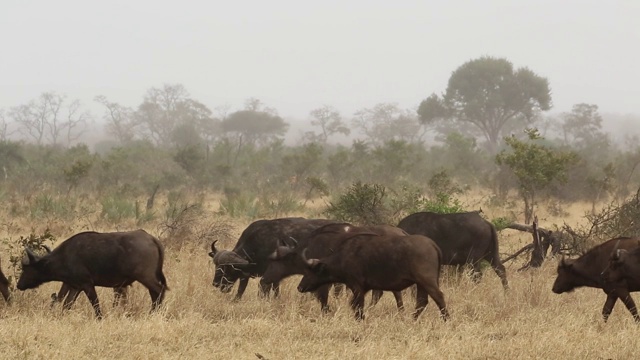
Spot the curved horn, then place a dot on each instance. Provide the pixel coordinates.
(214, 251)
(30, 258)
(295, 242)
(227, 257)
(309, 262)
(615, 254)
(47, 248)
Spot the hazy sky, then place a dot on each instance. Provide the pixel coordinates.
(298, 55)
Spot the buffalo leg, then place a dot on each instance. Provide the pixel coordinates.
(119, 296)
(357, 304)
(90, 291)
(70, 297)
(476, 276)
(156, 291)
(375, 297)
(624, 295)
(242, 286)
(399, 302)
(608, 306)
(322, 294)
(502, 274)
(421, 300)
(434, 291)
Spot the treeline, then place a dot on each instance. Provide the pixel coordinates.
(477, 134)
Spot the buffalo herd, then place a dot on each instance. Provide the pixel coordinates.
(325, 253)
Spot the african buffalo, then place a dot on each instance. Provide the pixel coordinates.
(464, 238)
(68, 295)
(590, 270)
(623, 272)
(4, 286)
(91, 259)
(373, 262)
(287, 259)
(250, 257)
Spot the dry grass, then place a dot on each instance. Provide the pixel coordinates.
(197, 321)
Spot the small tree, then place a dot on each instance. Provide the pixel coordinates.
(535, 166)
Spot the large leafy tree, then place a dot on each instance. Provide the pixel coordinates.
(489, 94)
(535, 166)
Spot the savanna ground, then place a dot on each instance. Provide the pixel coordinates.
(198, 321)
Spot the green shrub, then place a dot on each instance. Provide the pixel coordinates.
(34, 242)
(116, 207)
(362, 204)
(47, 206)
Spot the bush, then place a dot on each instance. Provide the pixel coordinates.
(34, 242)
(116, 208)
(187, 223)
(361, 204)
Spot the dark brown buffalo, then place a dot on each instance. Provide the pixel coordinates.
(287, 259)
(68, 295)
(91, 259)
(624, 274)
(372, 262)
(250, 256)
(589, 270)
(463, 238)
(4, 286)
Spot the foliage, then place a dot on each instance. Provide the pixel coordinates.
(535, 166)
(361, 204)
(168, 113)
(488, 93)
(369, 204)
(117, 207)
(186, 223)
(386, 121)
(35, 242)
(239, 204)
(329, 121)
(501, 223)
(46, 205)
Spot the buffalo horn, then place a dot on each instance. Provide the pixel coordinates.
(47, 248)
(227, 257)
(310, 262)
(214, 251)
(31, 257)
(615, 253)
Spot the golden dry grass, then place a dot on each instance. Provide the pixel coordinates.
(197, 321)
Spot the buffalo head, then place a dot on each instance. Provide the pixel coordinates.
(319, 274)
(229, 268)
(33, 271)
(565, 282)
